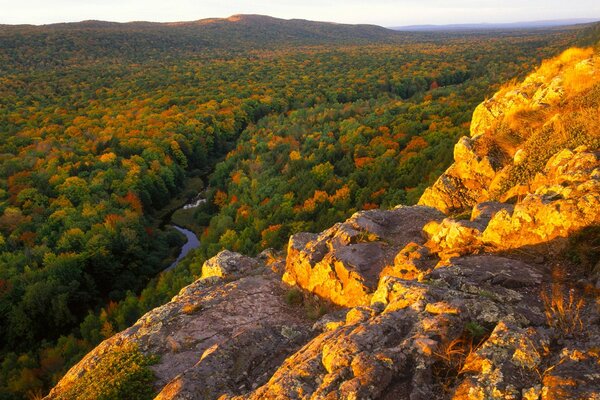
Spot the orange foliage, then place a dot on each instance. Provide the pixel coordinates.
(28, 238)
(272, 228)
(361, 162)
(220, 198)
(378, 193)
(133, 200)
(236, 177)
(243, 211)
(416, 143)
(319, 196)
(111, 220)
(384, 141)
(341, 194)
(108, 157)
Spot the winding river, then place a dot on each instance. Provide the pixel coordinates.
(192, 243)
(192, 240)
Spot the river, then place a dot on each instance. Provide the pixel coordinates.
(192, 243)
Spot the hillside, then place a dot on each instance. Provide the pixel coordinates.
(486, 290)
(140, 41)
(253, 29)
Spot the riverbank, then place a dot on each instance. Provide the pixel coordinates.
(163, 217)
(185, 218)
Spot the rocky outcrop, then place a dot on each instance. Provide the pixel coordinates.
(215, 336)
(229, 265)
(474, 294)
(519, 363)
(343, 264)
(466, 182)
(506, 131)
(393, 348)
(563, 199)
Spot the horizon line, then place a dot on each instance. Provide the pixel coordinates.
(567, 21)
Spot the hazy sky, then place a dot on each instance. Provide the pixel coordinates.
(381, 12)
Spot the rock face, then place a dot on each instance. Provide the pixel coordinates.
(474, 294)
(243, 329)
(563, 199)
(465, 183)
(343, 263)
(227, 265)
(506, 131)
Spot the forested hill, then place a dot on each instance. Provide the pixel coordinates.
(143, 40)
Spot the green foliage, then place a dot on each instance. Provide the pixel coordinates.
(476, 331)
(121, 374)
(322, 161)
(294, 297)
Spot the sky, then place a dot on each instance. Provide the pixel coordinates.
(380, 12)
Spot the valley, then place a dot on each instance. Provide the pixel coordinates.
(285, 126)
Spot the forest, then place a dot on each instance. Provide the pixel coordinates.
(290, 136)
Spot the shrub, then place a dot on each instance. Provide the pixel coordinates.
(314, 307)
(451, 355)
(294, 297)
(122, 374)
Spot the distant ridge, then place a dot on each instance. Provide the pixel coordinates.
(249, 30)
(137, 41)
(488, 26)
(45, 45)
(248, 20)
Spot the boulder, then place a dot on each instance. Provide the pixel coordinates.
(343, 263)
(227, 264)
(465, 183)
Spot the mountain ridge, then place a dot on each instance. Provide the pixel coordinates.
(140, 41)
(240, 19)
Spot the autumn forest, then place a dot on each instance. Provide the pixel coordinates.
(105, 129)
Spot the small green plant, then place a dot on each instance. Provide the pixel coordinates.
(315, 310)
(294, 297)
(314, 307)
(475, 331)
(463, 216)
(488, 294)
(410, 248)
(584, 248)
(365, 236)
